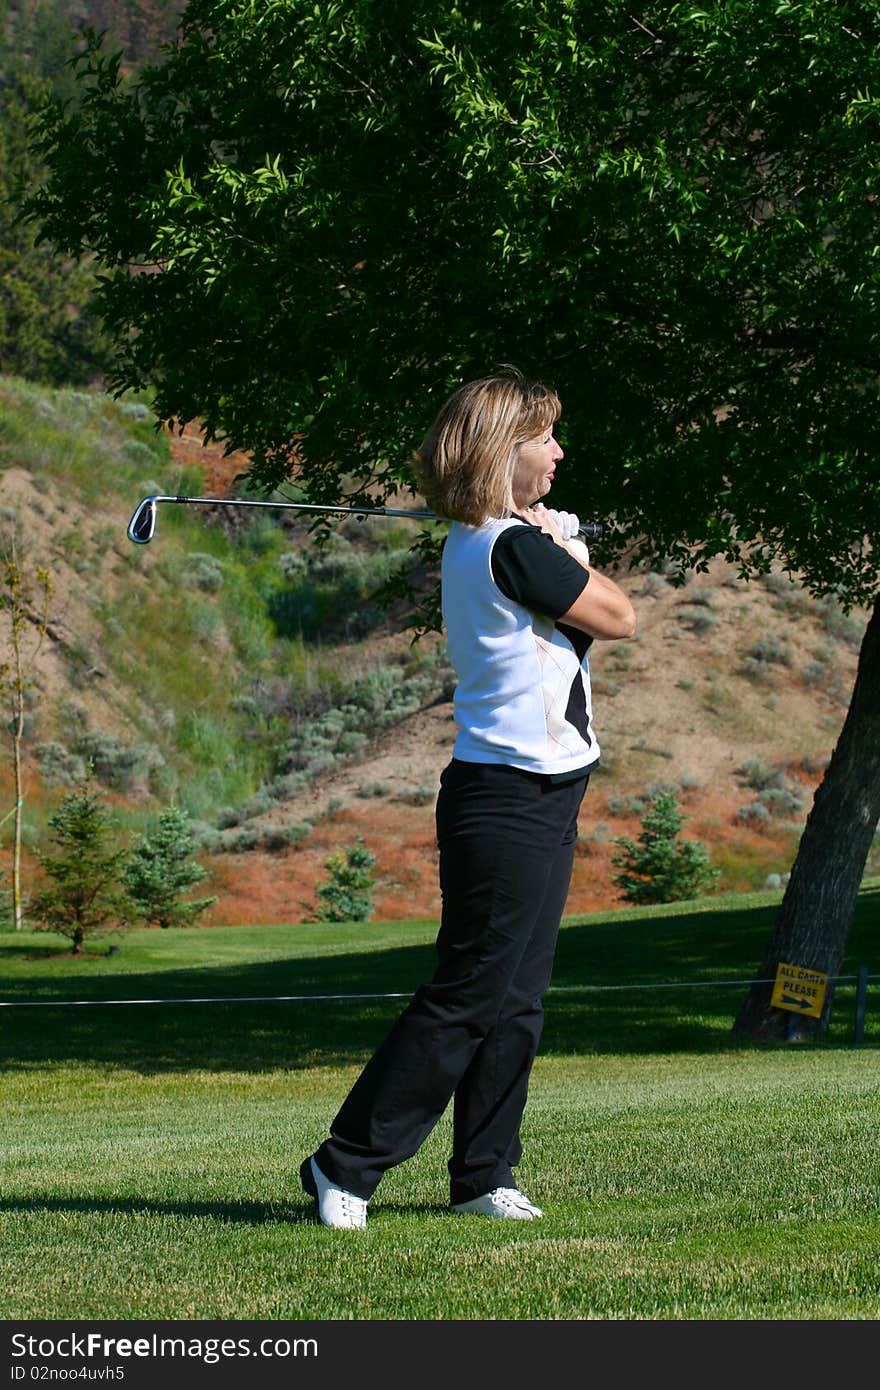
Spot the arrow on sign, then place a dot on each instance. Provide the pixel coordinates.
(799, 1003)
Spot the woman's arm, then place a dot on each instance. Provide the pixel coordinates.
(602, 610)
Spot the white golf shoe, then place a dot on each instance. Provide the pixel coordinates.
(505, 1202)
(335, 1206)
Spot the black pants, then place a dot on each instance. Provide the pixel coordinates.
(506, 842)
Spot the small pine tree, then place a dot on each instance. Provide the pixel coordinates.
(6, 915)
(85, 867)
(347, 895)
(159, 869)
(660, 868)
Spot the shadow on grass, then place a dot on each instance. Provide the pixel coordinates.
(294, 1213)
(238, 1213)
(720, 944)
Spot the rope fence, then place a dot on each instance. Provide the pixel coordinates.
(406, 994)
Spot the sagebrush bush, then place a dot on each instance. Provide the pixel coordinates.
(759, 774)
(781, 801)
(846, 627)
(240, 839)
(276, 837)
(372, 789)
(758, 672)
(815, 673)
(202, 571)
(421, 795)
(789, 596)
(770, 650)
(118, 765)
(697, 619)
(652, 586)
(59, 767)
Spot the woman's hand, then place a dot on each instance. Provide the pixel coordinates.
(562, 526)
(544, 519)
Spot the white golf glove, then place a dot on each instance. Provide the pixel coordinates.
(567, 522)
(568, 525)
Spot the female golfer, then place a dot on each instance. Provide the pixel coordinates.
(521, 605)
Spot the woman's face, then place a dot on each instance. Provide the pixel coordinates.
(534, 468)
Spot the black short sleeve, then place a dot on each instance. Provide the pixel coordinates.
(530, 568)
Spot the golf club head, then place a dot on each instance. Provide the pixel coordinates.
(142, 526)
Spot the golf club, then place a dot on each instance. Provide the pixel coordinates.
(142, 527)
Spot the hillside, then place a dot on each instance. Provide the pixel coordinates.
(237, 666)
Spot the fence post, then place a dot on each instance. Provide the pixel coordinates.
(861, 1003)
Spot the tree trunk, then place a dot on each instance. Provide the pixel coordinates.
(18, 735)
(16, 844)
(814, 917)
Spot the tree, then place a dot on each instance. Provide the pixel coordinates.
(25, 592)
(347, 895)
(86, 865)
(46, 331)
(160, 869)
(671, 214)
(660, 868)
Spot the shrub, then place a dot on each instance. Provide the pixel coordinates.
(202, 571)
(625, 805)
(206, 837)
(697, 619)
(421, 795)
(812, 765)
(347, 895)
(754, 814)
(277, 837)
(790, 597)
(160, 869)
(58, 766)
(780, 801)
(652, 586)
(256, 805)
(844, 626)
(86, 867)
(240, 839)
(815, 673)
(117, 765)
(758, 672)
(758, 774)
(770, 650)
(371, 789)
(660, 868)
(351, 742)
(7, 905)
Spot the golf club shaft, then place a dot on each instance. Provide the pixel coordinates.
(142, 525)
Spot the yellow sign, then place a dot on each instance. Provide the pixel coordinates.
(802, 991)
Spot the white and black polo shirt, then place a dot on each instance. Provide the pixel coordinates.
(523, 693)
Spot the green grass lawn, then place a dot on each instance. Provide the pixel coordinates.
(150, 1152)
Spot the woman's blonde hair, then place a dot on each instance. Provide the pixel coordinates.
(467, 458)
